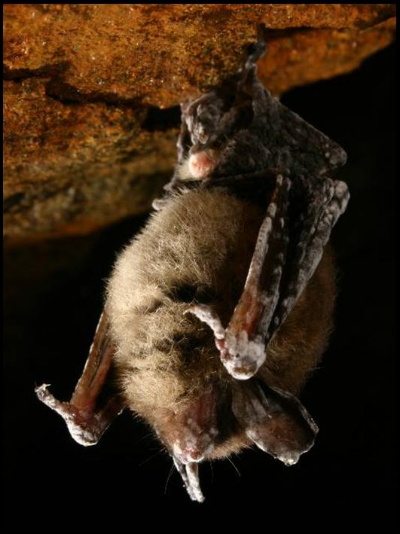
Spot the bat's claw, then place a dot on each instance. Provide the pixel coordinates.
(207, 315)
(258, 49)
(241, 357)
(48, 399)
(240, 372)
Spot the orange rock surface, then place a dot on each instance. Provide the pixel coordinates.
(91, 92)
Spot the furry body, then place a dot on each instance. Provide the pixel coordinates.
(198, 249)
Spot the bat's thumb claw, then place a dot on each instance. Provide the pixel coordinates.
(242, 357)
(207, 315)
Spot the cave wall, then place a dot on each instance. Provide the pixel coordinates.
(91, 94)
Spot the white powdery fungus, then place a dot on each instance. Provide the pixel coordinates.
(244, 357)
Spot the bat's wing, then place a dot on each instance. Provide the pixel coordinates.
(91, 409)
(290, 243)
(317, 205)
(289, 247)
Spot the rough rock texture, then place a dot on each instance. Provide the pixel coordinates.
(91, 93)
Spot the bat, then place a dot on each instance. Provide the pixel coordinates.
(219, 310)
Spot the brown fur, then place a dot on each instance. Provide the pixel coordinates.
(198, 248)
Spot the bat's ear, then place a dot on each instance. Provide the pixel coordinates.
(91, 408)
(274, 420)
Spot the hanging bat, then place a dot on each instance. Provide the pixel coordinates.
(217, 312)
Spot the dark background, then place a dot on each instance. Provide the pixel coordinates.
(53, 295)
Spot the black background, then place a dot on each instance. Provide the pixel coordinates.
(53, 295)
